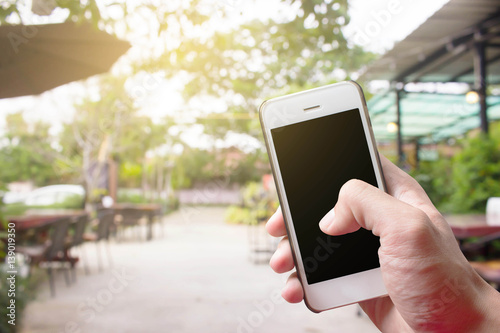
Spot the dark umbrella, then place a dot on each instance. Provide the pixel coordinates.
(37, 58)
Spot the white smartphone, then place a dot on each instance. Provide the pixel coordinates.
(317, 140)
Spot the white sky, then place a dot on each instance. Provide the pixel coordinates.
(376, 24)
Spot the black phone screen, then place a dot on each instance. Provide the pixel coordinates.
(316, 157)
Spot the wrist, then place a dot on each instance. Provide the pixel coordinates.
(489, 306)
(473, 309)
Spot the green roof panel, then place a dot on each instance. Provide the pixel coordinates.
(427, 115)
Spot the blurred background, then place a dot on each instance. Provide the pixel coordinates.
(133, 169)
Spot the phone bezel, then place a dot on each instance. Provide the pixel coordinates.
(291, 109)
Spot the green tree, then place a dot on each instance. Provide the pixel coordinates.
(304, 48)
(98, 12)
(11, 10)
(229, 165)
(104, 129)
(300, 48)
(27, 154)
(259, 58)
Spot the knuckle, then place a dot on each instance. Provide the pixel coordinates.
(353, 191)
(351, 188)
(420, 226)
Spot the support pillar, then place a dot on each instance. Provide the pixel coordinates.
(399, 138)
(113, 179)
(417, 153)
(480, 81)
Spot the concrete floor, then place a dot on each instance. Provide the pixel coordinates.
(196, 278)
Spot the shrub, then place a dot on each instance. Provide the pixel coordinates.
(435, 178)
(238, 215)
(258, 205)
(463, 183)
(475, 175)
(124, 197)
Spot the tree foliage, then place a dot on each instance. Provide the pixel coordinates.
(199, 166)
(300, 47)
(107, 128)
(260, 58)
(475, 175)
(303, 48)
(27, 154)
(11, 10)
(464, 182)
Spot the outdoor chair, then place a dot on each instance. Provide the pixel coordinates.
(105, 223)
(50, 252)
(261, 245)
(155, 216)
(158, 215)
(76, 241)
(131, 218)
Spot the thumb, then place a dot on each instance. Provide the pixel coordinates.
(363, 205)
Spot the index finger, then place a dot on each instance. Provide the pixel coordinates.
(276, 224)
(363, 205)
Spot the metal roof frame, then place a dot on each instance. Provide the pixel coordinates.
(458, 43)
(433, 49)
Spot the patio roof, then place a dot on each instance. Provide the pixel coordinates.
(442, 48)
(428, 117)
(459, 43)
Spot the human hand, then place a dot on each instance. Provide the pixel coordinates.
(431, 285)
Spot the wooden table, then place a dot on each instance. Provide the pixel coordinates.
(466, 226)
(32, 221)
(39, 219)
(470, 225)
(149, 210)
(34, 227)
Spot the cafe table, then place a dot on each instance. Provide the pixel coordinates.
(38, 221)
(34, 218)
(471, 225)
(149, 210)
(467, 226)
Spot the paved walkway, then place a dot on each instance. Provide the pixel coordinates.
(197, 278)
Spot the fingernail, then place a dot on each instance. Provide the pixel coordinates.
(327, 220)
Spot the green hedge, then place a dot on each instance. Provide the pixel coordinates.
(257, 205)
(464, 182)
